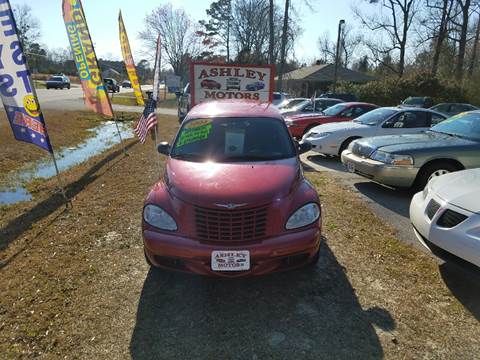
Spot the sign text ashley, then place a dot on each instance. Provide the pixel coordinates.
(231, 81)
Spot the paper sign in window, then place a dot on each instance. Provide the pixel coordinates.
(234, 142)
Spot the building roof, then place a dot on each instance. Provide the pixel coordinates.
(326, 73)
(233, 108)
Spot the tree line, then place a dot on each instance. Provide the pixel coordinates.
(389, 38)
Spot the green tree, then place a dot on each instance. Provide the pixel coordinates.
(218, 25)
(28, 26)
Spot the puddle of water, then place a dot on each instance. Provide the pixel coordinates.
(103, 137)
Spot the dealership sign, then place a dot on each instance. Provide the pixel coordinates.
(230, 81)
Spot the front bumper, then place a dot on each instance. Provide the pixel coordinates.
(397, 176)
(321, 145)
(462, 240)
(283, 252)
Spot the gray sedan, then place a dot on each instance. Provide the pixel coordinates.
(451, 109)
(412, 160)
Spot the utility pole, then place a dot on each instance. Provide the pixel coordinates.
(337, 53)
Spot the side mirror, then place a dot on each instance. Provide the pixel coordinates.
(303, 147)
(164, 148)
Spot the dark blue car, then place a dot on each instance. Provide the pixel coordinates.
(255, 86)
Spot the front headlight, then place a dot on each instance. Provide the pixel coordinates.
(428, 188)
(306, 215)
(392, 159)
(289, 122)
(319, 135)
(159, 218)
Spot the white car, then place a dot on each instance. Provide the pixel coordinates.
(279, 97)
(333, 138)
(446, 215)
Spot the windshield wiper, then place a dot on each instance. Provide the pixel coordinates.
(445, 133)
(251, 157)
(187, 156)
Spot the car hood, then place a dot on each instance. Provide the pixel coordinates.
(461, 188)
(340, 126)
(314, 116)
(423, 141)
(252, 183)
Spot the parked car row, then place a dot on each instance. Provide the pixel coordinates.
(421, 149)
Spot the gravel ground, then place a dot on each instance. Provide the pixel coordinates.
(75, 284)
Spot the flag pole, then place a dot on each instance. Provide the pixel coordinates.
(60, 182)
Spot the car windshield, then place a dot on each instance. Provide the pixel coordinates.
(56, 78)
(465, 125)
(233, 139)
(292, 103)
(414, 101)
(334, 110)
(374, 117)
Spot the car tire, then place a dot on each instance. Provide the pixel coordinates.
(429, 171)
(345, 145)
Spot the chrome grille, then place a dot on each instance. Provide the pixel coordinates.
(362, 150)
(224, 225)
(432, 208)
(451, 218)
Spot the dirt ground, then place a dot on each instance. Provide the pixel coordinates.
(65, 128)
(74, 284)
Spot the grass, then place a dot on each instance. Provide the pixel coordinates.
(128, 99)
(66, 285)
(39, 84)
(65, 128)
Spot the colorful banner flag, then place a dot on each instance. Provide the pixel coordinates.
(96, 96)
(129, 63)
(16, 86)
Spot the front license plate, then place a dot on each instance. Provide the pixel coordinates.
(351, 167)
(237, 260)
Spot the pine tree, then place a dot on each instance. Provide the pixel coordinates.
(219, 24)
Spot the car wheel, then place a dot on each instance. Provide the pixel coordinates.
(346, 144)
(430, 171)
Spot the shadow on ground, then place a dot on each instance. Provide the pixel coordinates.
(22, 223)
(463, 280)
(308, 313)
(396, 200)
(332, 163)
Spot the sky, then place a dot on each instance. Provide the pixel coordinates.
(102, 18)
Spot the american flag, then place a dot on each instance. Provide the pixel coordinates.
(147, 121)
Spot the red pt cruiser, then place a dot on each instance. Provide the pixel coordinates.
(233, 200)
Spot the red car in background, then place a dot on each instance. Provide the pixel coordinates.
(300, 124)
(210, 84)
(233, 200)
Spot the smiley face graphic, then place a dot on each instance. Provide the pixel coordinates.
(31, 105)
